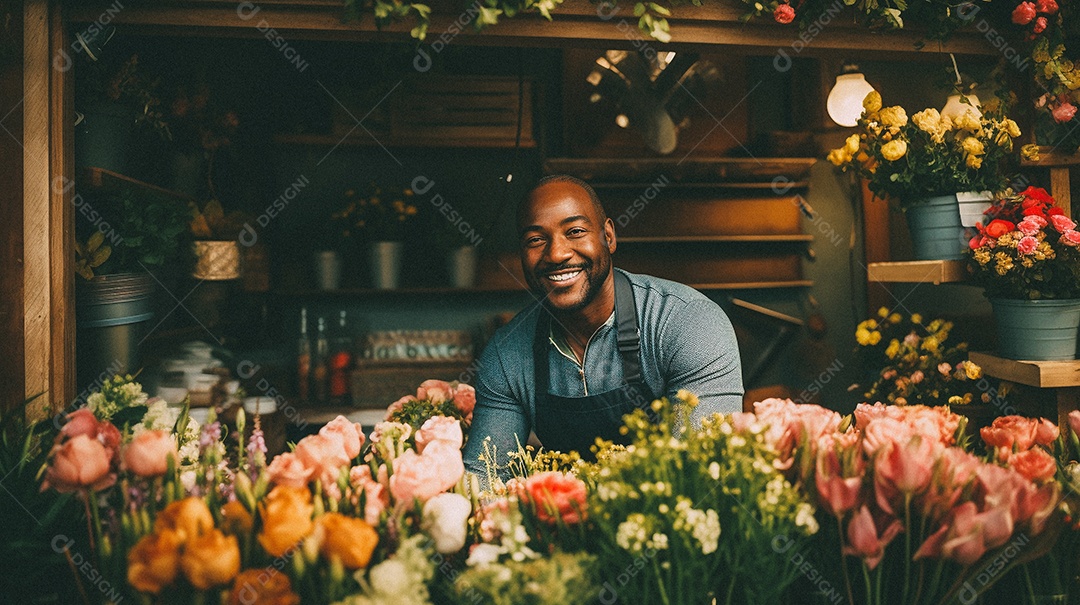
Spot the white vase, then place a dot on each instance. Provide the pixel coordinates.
(972, 205)
(461, 266)
(328, 270)
(385, 263)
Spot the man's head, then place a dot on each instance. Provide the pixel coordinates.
(566, 242)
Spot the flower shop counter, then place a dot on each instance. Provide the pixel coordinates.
(1061, 376)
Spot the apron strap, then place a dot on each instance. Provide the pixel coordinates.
(629, 335)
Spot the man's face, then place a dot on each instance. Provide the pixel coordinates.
(565, 246)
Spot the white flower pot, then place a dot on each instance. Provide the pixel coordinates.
(972, 205)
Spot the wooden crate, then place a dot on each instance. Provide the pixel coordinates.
(377, 385)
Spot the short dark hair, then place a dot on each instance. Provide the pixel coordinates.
(565, 178)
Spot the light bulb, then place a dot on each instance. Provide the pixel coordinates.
(622, 120)
(845, 100)
(954, 107)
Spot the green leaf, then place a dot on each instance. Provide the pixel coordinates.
(639, 9)
(660, 10)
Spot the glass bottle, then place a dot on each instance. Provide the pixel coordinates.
(341, 362)
(320, 363)
(303, 360)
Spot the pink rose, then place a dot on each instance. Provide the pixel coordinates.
(1074, 422)
(1062, 223)
(1046, 433)
(1063, 112)
(287, 469)
(1040, 25)
(1046, 6)
(784, 13)
(1071, 238)
(324, 455)
(80, 463)
(419, 477)
(439, 428)
(465, 400)
(1034, 464)
(148, 453)
(435, 391)
(398, 405)
(557, 497)
(1023, 13)
(1028, 227)
(865, 541)
(351, 433)
(80, 422)
(1027, 245)
(1010, 432)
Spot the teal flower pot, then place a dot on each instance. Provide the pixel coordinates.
(1037, 330)
(936, 230)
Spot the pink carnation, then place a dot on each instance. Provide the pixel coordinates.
(1063, 112)
(1027, 245)
(1023, 13)
(439, 428)
(1062, 223)
(286, 469)
(1071, 238)
(1028, 227)
(435, 391)
(784, 13)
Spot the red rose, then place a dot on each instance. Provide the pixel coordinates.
(1023, 13)
(1034, 211)
(1063, 112)
(784, 13)
(1054, 211)
(556, 496)
(1040, 25)
(1037, 193)
(1046, 6)
(999, 227)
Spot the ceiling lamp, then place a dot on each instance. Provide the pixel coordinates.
(845, 103)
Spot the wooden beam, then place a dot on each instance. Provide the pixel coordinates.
(12, 382)
(61, 219)
(1039, 374)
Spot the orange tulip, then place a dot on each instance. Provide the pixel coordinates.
(350, 540)
(263, 587)
(235, 518)
(189, 518)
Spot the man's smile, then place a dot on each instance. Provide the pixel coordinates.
(563, 277)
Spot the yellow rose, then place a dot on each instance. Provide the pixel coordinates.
(862, 336)
(211, 559)
(928, 120)
(893, 117)
(189, 518)
(973, 371)
(893, 348)
(851, 145)
(153, 561)
(872, 102)
(286, 519)
(1011, 127)
(894, 150)
(839, 157)
(347, 539)
(1030, 152)
(973, 146)
(968, 121)
(263, 587)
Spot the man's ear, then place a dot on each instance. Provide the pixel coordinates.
(609, 235)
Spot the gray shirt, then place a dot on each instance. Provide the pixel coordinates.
(687, 342)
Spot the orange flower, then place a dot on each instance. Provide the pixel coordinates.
(286, 518)
(263, 587)
(557, 497)
(235, 518)
(189, 518)
(211, 559)
(1034, 464)
(153, 561)
(148, 453)
(350, 540)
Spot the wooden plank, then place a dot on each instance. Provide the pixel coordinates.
(1060, 189)
(100, 178)
(12, 368)
(918, 271)
(62, 221)
(704, 171)
(37, 206)
(661, 239)
(681, 216)
(760, 285)
(1050, 157)
(329, 140)
(1041, 374)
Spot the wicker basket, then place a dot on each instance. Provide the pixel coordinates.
(217, 260)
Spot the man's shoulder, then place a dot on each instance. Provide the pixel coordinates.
(652, 290)
(516, 337)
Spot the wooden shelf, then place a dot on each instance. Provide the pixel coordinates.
(755, 285)
(412, 291)
(684, 239)
(918, 271)
(387, 140)
(749, 173)
(1041, 374)
(107, 180)
(1051, 158)
(751, 186)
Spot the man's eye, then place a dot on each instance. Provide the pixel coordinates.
(533, 241)
(576, 231)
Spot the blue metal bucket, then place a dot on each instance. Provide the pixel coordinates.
(1037, 330)
(936, 230)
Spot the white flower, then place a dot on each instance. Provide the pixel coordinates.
(804, 517)
(483, 554)
(444, 519)
(707, 532)
(714, 470)
(390, 577)
(95, 401)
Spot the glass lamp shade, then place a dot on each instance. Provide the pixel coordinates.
(954, 107)
(845, 99)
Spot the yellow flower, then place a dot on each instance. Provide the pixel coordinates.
(872, 102)
(1011, 127)
(893, 348)
(862, 336)
(894, 116)
(916, 318)
(1030, 152)
(968, 121)
(851, 145)
(894, 150)
(973, 146)
(930, 344)
(895, 318)
(928, 120)
(973, 161)
(875, 337)
(883, 312)
(839, 157)
(973, 371)
(350, 540)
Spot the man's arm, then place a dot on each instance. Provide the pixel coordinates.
(498, 415)
(703, 358)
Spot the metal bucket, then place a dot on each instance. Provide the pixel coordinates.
(111, 312)
(936, 230)
(1037, 330)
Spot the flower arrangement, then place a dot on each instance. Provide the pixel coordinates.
(930, 154)
(941, 18)
(386, 214)
(907, 362)
(1027, 250)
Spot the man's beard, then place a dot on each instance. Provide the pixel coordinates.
(595, 274)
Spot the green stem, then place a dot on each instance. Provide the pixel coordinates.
(907, 546)
(843, 562)
(731, 584)
(660, 582)
(869, 591)
(91, 498)
(1030, 586)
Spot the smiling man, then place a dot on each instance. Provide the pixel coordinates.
(599, 343)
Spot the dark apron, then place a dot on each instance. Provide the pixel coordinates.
(573, 423)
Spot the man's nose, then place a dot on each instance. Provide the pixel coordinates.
(559, 250)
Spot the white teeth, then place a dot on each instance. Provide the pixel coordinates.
(563, 276)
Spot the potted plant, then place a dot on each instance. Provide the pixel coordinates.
(1027, 259)
(380, 220)
(920, 164)
(217, 256)
(134, 233)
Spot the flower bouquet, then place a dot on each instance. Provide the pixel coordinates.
(907, 362)
(1027, 259)
(384, 214)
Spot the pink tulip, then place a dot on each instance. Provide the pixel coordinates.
(80, 422)
(419, 477)
(1035, 504)
(148, 453)
(376, 498)
(79, 463)
(1074, 422)
(837, 494)
(1046, 433)
(865, 541)
(286, 469)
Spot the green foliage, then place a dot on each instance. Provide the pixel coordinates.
(139, 230)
